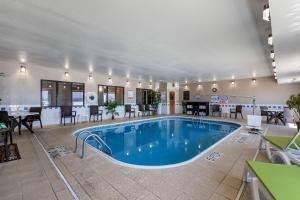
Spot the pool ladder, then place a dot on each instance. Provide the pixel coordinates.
(96, 138)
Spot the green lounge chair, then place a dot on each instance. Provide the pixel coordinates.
(287, 148)
(272, 181)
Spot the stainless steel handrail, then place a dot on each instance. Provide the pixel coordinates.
(99, 140)
(77, 140)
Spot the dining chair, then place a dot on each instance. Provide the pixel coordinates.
(67, 112)
(95, 112)
(129, 110)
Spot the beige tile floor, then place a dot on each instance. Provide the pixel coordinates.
(96, 177)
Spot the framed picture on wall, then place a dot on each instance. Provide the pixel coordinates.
(130, 94)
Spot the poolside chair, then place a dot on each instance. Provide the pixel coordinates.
(129, 110)
(67, 112)
(141, 110)
(216, 109)
(95, 112)
(28, 120)
(272, 181)
(282, 149)
(237, 110)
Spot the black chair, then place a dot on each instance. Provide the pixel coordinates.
(142, 110)
(4, 118)
(216, 109)
(129, 110)
(264, 111)
(148, 109)
(28, 120)
(67, 112)
(95, 112)
(238, 110)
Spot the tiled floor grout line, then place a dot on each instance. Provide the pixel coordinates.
(42, 167)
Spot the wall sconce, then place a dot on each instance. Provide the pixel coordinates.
(67, 74)
(23, 68)
(90, 77)
(266, 13)
(254, 80)
(272, 55)
(270, 40)
(232, 82)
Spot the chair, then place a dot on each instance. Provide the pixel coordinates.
(272, 181)
(287, 149)
(67, 112)
(216, 109)
(148, 109)
(95, 112)
(129, 110)
(142, 110)
(264, 112)
(32, 118)
(238, 110)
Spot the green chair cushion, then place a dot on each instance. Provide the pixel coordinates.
(281, 181)
(2, 125)
(278, 141)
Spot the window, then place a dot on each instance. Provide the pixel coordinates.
(59, 93)
(78, 94)
(110, 93)
(48, 93)
(143, 96)
(186, 95)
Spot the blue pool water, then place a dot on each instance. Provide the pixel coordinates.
(163, 141)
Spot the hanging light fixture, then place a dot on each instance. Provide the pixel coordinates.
(270, 40)
(232, 82)
(140, 84)
(127, 82)
(272, 54)
(266, 13)
(67, 74)
(274, 69)
(90, 77)
(23, 68)
(253, 80)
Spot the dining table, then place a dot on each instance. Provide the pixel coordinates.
(276, 115)
(19, 115)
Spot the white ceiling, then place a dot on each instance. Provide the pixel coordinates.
(169, 40)
(285, 17)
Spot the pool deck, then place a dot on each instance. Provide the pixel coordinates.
(97, 177)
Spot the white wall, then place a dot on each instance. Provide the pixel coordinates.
(24, 88)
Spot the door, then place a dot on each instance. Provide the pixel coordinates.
(172, 103)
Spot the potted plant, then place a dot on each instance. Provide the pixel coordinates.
(156, 99)
(111, 109)
(294, 104)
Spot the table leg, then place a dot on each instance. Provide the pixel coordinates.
(20, 124)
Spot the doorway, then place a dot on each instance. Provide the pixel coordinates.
(172, 103)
